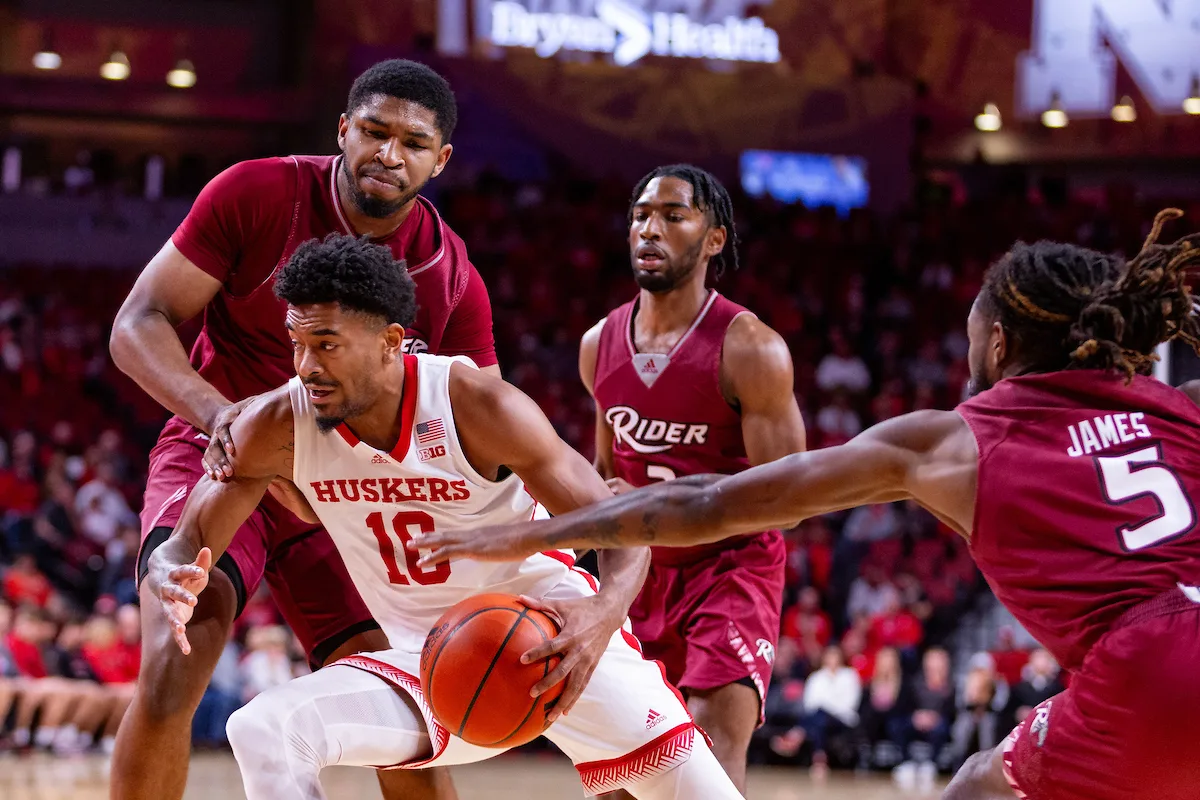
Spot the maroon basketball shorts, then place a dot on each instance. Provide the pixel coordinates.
(304, 572)
(715, 621)
(1126, 727)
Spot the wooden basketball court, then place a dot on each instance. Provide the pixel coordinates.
(215, 777)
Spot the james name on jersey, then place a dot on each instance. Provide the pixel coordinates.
(390, 490)
(644, 435)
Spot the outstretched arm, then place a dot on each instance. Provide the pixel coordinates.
(178, 569)
(928, 456)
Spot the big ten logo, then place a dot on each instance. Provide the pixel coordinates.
(437, 451)
(1077, 43)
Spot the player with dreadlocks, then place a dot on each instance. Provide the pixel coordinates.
(687, 382)
(1071, 474)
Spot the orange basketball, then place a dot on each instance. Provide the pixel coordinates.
(472, 673)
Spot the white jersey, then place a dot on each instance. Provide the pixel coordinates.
(372, 503)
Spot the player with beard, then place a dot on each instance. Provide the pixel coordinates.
(394, 137)
(1071, 474)
(686, 382)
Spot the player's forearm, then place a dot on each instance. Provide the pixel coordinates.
(145, 346)
(622, 573)
(212, 516)
(672, 514)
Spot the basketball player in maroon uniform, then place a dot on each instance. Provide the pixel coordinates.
(394, 137)
(687, 382)
(1071, 474)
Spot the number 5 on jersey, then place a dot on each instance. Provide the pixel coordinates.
(1142, 473)
(388, 547)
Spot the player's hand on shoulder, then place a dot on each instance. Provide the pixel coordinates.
(585, 626)
(219, 456)
(177, 587)
(498, 543)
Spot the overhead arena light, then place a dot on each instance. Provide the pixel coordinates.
(1055, 116)
(116, 68)
(1124, 111)
(47, 57)
(183, 76)
(1192, 104)
(989, 120)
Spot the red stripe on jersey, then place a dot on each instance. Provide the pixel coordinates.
(408, 407)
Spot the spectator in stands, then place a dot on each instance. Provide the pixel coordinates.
(854, 649)
(222, 697)
(25, 585)
(881, 711)
(1010, 661)
(871, 593)
(782, 730)
(872, 523)
(831, 698)
(808, 626)
(841, 369)
(897, 628)
(9, 676)
(980, 710)
(267, 663)
(929, 707)
(838, 422)
(101, 507)
(1039, 683)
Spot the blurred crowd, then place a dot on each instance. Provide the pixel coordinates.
(874, 312)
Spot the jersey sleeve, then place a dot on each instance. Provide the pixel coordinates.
(249, 196)
(469, 328)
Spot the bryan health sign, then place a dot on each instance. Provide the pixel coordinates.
(1077, 43)
(627, 31)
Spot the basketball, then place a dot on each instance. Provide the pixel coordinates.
(472, 673)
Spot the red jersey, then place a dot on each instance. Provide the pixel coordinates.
(245, 225)
(668, 415)
(1084, 501)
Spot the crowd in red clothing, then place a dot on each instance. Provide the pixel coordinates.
(873, 310)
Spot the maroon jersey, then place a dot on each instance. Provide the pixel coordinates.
(1084, 501)
(246, 224)
(668, 415)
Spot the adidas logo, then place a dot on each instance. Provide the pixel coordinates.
(378, 459)
(653, 718)
(650, 368)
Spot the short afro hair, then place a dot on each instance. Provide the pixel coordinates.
(407, 80)
(352, 272)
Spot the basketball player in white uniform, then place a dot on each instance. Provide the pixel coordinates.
(384, 446)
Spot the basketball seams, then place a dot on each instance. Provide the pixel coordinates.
(534, 701)
(495, 659)
(445, 640)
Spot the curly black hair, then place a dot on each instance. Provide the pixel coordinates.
(710, 196)
(1069, 307)
(352, 272)
(407, 80)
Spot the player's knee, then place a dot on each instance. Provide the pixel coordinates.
(275, 722)
(255, 726)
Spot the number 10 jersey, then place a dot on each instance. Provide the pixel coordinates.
(1086, 499)
(373, 503)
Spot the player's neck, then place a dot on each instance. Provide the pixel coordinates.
(380, 425)
(669, 312)
(364, 225)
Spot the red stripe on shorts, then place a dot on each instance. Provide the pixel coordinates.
(654, 758)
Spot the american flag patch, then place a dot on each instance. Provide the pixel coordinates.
(430, 431)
